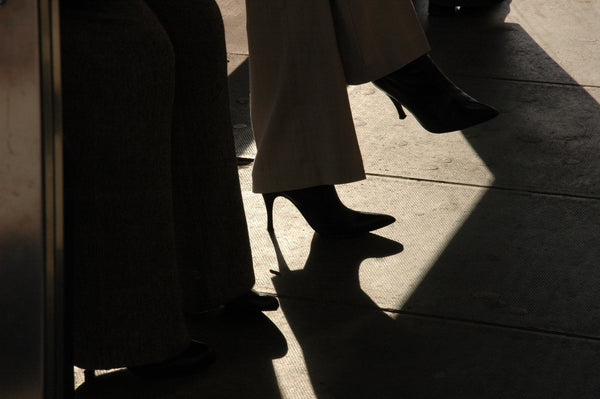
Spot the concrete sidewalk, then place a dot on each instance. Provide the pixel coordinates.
(487, 286)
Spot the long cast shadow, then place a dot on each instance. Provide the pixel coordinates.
(355, 350)
(528, 253)
(245, 347)
(510, 308)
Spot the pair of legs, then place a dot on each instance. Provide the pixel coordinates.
(154, 217)
(302, 57)
(303, 54)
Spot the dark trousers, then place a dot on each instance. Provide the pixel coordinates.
(154, 221)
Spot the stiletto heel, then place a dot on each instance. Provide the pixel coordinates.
(326, 214)
(269, 199)
(432, 98)
(401, 112)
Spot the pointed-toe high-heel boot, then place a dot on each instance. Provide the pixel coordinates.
(432, 98)
(326, 214)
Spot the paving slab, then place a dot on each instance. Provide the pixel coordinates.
(234, 19)
(546, 41)
(310, 350)
(527, 147)
(354, 353)
(524, 40)
(546, 138)
(487, 255)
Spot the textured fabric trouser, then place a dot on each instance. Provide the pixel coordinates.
(303, 54)
(152, 196)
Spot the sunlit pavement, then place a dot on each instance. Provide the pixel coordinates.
(488, 284)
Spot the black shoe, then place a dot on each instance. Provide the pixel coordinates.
(432, 98)
(252, 302)
(326, 214)
(197, 356)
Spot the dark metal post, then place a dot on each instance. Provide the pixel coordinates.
(32, 344)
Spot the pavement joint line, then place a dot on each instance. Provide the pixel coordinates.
(457, 320)
(516, 190)
(515, 80)
(533, 330)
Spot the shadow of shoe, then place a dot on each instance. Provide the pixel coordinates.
(332, 268)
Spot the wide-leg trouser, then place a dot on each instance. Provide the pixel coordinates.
(151, 179)
(303, 54)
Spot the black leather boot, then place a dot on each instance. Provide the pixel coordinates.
(326, 214)
(432, 98)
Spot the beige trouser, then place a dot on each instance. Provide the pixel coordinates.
(303, 54)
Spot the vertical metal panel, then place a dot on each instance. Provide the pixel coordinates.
(21, 218)
(29, 204)
(55, 361)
